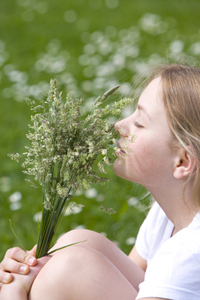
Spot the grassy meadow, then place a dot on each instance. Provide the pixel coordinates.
(89, 46)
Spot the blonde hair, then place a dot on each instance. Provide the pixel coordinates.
(181, 99)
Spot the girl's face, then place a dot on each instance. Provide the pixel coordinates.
(149, 159)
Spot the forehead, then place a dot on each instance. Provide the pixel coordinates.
(150, 98)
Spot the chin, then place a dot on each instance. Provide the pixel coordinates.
(118, 167)
(122, 170)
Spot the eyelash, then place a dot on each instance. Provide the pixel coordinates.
(138, 125)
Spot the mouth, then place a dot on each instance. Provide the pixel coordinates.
(119, 150)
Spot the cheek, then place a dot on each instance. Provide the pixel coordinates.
(142, 150)
(147, 157)
(144, 162)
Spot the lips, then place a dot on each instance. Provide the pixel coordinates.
(120, 150)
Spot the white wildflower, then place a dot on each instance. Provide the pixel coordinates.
(104, 151)
(15, 197)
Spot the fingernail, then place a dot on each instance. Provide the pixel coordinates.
(6, 278)
(31, 260)
(23, 269)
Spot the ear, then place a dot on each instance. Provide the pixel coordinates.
(185, 163)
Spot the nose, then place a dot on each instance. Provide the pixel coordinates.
(122, 128)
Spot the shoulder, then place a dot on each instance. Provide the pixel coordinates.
(174, 272)
(182, 251)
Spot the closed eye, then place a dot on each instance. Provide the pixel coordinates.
(138, 125)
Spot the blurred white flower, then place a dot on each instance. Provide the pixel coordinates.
(130, 241)
(84, 60)
(15, 197)
(87, 87)
(73, 210)
(91, 193)
(132, 201)
(89, 49)
(112, 3)
(103, 233)
(100, 198)
(125, 89)
(106, 69)
(88, 72)
(78, 193)
(105, 47)
(41, 7)
(34, 90)
(5, 184)
(127, 111)
(18, 76)
(28, 15)
(195, 48)
(15, 206)
(176, 47)
(119, 60)
(70, 16)
(37, 217)
(53, 46)
(76, 210)
(51, 64)
(153, 24)
(140, 67)
(7, 92)
(80, 227)
(99, 82)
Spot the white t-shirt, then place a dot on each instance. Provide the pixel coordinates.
(173, 263)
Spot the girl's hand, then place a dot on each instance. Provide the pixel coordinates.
(25, 282)
(20, 286)
(16, 261)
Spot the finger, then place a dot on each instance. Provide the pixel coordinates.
(19, 255)
(5, 277)
(32, 252)
(10, 265)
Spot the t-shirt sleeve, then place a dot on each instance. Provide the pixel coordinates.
(174, 273)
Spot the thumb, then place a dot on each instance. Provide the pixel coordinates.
(30, 259)
(32, 251)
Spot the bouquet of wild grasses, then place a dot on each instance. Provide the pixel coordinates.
(65, 147)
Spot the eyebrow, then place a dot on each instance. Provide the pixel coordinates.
(143, 109)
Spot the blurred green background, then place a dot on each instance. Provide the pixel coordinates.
(88, 46)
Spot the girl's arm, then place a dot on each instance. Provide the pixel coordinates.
(137, 259)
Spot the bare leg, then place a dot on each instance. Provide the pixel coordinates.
(95, 269)
(96, 241)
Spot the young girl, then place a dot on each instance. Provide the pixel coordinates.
(165, 262)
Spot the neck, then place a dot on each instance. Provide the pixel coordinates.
(178, 205)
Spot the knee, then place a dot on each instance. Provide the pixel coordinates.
(72, 262)
(66, 263)
(83, 236)
(68, 269)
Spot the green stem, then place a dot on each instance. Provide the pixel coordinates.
(49, 224)
(49, 253)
